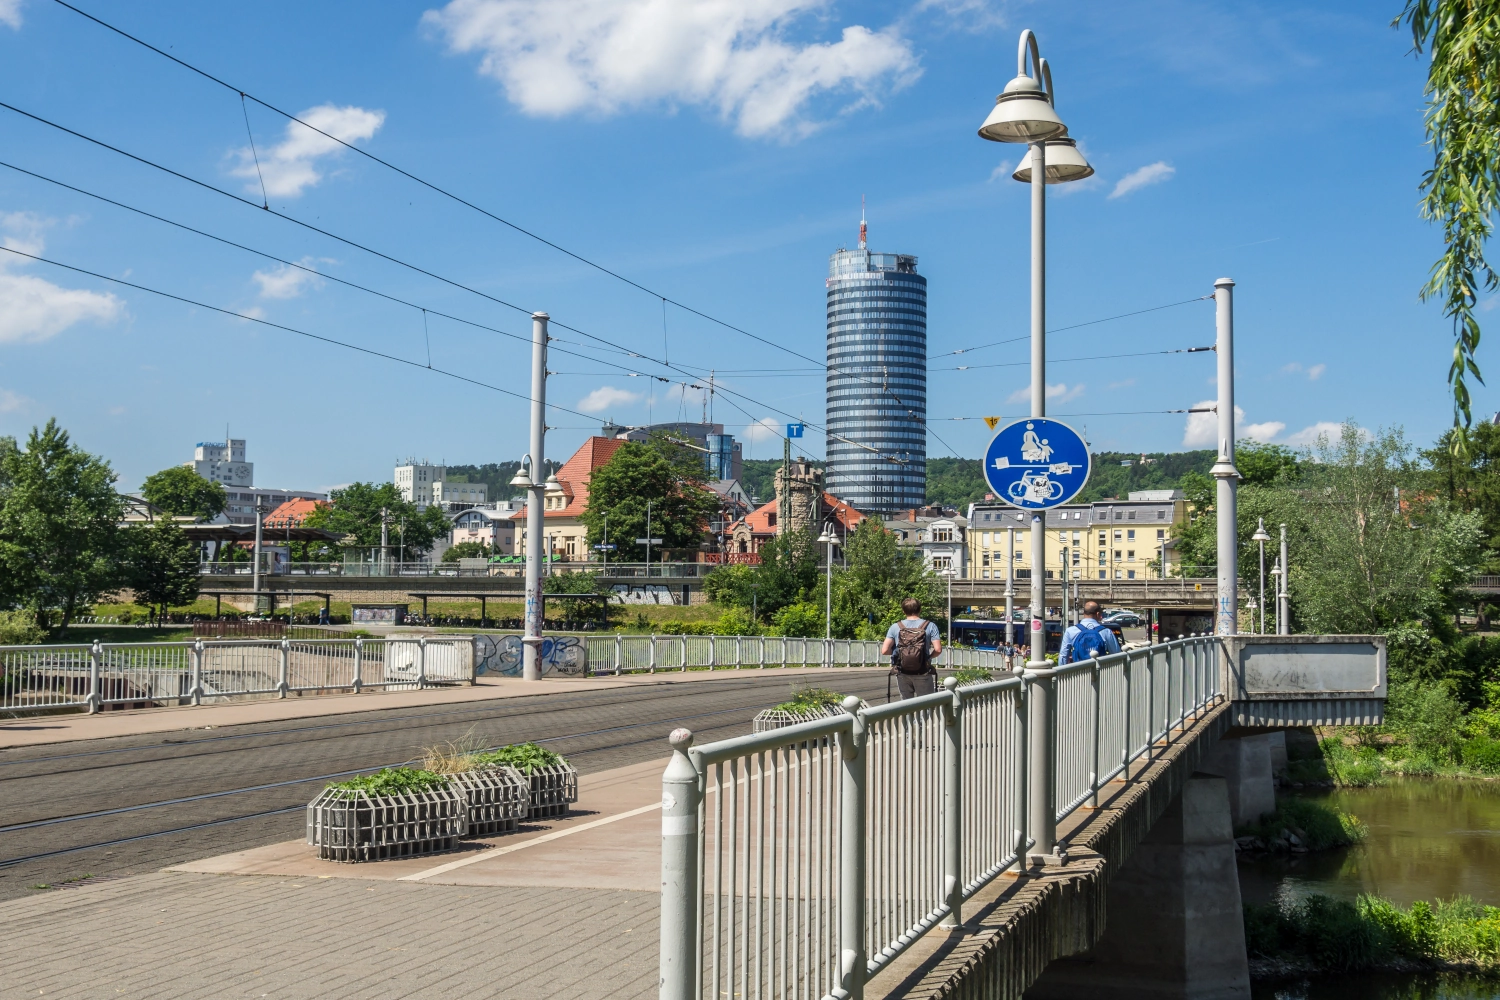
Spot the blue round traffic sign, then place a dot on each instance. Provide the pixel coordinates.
(1036, 463)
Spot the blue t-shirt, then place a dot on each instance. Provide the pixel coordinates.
(1065, 652)
(894, 632)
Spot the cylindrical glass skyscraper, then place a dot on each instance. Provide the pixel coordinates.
(877, 380)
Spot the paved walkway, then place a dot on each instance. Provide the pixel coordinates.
(34, 730)
(564, 909)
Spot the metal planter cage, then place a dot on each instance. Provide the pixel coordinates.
(352, 826)
(499, 797)
(553, 788)
(768, 719)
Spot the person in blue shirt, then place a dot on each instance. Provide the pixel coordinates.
(1081, 641)
(912, 645)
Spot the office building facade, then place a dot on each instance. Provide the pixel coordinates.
(877, 380)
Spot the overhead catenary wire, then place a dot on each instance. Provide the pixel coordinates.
(1090, 357)
(1074, 326)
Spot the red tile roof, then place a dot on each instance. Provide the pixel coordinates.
(293, 513)
(760, 521)
(574, 475)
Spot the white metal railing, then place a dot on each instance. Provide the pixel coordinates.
(798, 862)
(625, 654)
(36, 678)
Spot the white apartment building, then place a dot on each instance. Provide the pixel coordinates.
(223, 462)
(492, 527)
(415, 480)
(444, 492)
(940, 536)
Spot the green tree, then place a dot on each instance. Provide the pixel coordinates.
(879, 574)
(638, 474)
(1264, 464)
(788, 573)
(161, 565)
(59, 526)
(356, 510)
(180, 490)
(1470, 481)
(466, 550)
(1462, 190)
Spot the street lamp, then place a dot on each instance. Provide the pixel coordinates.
(1283, 606)
(1261, 537)
(1024, 112)
(829, 539)
(1276, 575)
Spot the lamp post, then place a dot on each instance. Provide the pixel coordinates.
(1226, 620)
(829, 539)
(1010, 592)
(1261, 537)
(950, 573)
(1024, 113)
(530, 478)
(1283, 605)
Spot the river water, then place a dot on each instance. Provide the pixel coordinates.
(1429, 839)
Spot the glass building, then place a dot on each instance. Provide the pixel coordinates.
(877, 380)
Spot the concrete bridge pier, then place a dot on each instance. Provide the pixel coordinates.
(1247, 763)
(1174, 926)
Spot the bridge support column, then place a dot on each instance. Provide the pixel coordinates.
(1174, 927)
(1245, 763)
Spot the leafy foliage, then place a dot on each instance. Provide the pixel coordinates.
(810, 701)
(180, 490)
(802, 619)
(392, 781)
(648, 472)
(880, 574)
(1337, 935)
(524, 757)
(574, 583)
(1158, 471)
(161, 564)
(59, 517)
(1462, 190)
(956, 482)
(19, 628)
(356, 510)
(496, 476)
(466, 550)
(1319, 827)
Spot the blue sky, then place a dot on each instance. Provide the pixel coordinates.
(716, 152)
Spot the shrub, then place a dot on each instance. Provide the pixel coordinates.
(1346, 766)
(19, 628)
(1318, 826)
(973, 675)
(804, 619)
(392, 781)
(524, 757)
(1426, 717)
(1339, 936)
(811, 701)
(1482, 753)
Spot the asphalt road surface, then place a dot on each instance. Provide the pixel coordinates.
(102, 808)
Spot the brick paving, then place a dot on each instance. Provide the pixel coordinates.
(167, 935)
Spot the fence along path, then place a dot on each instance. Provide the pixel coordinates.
(797, 863)
(624, 654)
(93, 676)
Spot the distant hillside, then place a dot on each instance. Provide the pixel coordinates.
(957, 482)
(495, 475)
(759, 476)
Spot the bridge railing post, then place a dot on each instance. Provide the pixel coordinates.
(96, 664)
(1125, 747)
(283, 684)
(1094, 756)
(619, 654)
(852, 957)
(1041, 765)
(681, 900)
(953, 805)
(197, 662)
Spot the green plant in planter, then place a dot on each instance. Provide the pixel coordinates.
(972, 675)
(524, 757)
(810, 701)
(391, 781)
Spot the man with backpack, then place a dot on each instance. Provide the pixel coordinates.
(912, 645)
(1088, 637)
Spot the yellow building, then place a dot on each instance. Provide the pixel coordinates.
(1107, 540)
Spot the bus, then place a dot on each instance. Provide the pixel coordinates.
(989, 633)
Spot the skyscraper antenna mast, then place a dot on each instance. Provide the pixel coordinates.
(863, 232)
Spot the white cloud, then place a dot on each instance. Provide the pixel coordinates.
(10, 402)
(10, 13)
(293, 164)
(286, 282)
(765, 429)
(1203, 428)
(599, 57)
(1059, 393)
(1151, 173)
(1261, 432)
(1002, 171)
(1308, 436)
(33, 309)
(1313, 372)
(606, 396)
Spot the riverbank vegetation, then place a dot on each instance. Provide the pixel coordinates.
(1326, 934)
(1302, 825)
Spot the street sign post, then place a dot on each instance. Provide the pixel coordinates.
(645, 541)
(1036, 463)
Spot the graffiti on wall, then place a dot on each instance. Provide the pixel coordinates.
(503, 655)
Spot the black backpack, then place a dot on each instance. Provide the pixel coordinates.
(913, 654)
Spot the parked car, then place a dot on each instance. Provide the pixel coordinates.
(1123, 619)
